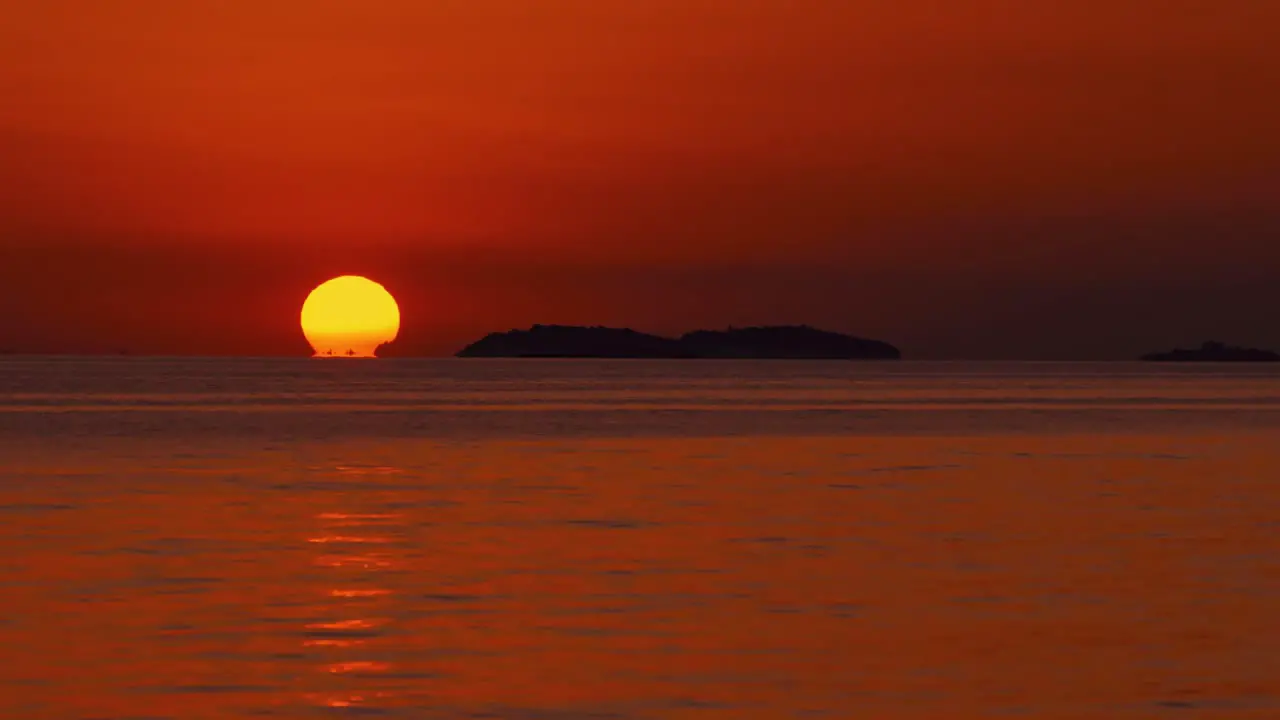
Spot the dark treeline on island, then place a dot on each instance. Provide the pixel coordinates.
(798, 342)
(1214, 352)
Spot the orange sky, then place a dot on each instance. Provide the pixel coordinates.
(980, 178)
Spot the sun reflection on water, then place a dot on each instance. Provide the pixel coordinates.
(349, 643)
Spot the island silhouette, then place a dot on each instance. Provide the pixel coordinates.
(790, 342)
(1211, 351)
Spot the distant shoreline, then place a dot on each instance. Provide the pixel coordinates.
(1213, 352)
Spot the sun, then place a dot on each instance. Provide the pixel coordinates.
(349, 316)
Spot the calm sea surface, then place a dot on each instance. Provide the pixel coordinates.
(562, 540)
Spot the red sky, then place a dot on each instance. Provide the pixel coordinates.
(988, 178)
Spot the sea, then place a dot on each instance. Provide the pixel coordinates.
(627, 540)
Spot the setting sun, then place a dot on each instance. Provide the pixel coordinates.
(349, 316)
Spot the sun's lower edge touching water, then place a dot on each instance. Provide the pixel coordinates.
(349, 316)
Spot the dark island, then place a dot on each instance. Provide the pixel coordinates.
(789, 342)
(1214, 352)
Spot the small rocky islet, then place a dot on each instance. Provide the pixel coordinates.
(780, 342)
